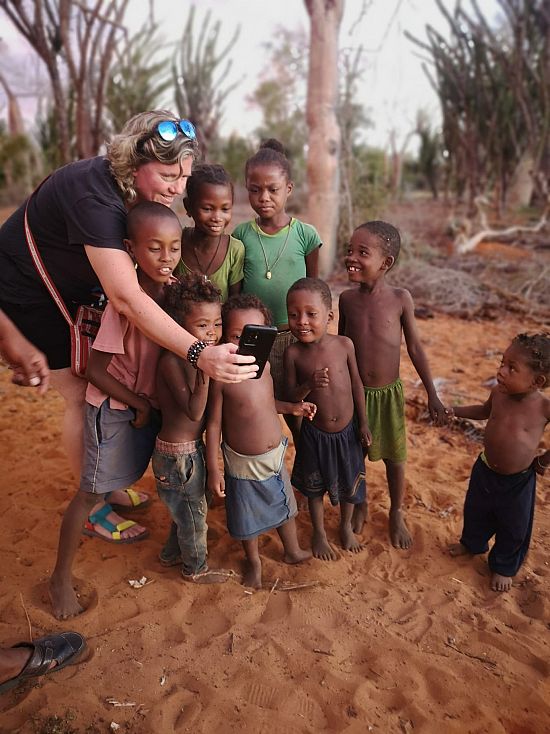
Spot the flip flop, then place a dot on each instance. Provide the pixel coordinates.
(100, 518)
(136, 503)
(65, 648)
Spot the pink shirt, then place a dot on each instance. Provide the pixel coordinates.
(134, 362)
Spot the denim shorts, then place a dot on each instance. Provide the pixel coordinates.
(180, 474)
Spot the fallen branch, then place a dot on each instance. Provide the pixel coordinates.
(481, 659)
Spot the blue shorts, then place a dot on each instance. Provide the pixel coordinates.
(330, 462)
(115, 453)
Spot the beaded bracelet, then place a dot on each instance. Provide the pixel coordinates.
(194, 352)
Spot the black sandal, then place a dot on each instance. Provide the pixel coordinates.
(65, 648)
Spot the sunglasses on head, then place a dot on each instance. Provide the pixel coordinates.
(168, 130)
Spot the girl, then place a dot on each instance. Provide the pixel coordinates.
(279, 249)
(205, 249)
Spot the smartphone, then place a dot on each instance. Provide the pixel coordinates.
(256, 340)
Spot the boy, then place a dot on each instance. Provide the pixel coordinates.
(329, 458)
(257, 487)
(178, 460)
(375, 316)
(501, 495)
(120, 425)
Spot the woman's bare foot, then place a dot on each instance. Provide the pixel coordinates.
(359, 517)
(252, 576)
(296, 556)
(501, 583)
(322, 548)
(457, 549)
(399, 532)
(63, 597)
(348, 539)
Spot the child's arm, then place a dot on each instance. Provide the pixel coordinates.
(358, 393)
(296, 392)
(215, 480)
(96, 373)
(191, 400)
(341, 318)
(312, 264)
(474, 412)
(302, 409)
(419, 359)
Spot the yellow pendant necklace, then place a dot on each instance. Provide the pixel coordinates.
(270, 268)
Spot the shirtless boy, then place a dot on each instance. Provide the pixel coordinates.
(257, 490)
(375, 316)
(501, 495)
(179, 457)
(329, 457)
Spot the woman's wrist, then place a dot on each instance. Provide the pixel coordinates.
(195, 351)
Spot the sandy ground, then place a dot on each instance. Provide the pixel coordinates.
(383, 641)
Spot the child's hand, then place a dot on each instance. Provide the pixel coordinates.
(319, 378)
(216, 484)
(366, 437)
(143, 413)
(308, 410)
(438, 412)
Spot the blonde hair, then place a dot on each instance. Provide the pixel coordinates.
(133, 147)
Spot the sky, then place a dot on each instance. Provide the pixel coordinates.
(394, 86)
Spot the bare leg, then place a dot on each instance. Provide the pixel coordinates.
(359, 517)
(321, 547)
(500, 582)
(253, 571)
(73, 390)
(294, 422)
(347, 538)
(399, 533)
(293, 552)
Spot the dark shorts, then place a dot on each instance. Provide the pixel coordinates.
(500, 505)
(330, 462)
(115, 453)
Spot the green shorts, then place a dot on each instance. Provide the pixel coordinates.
(385, 409)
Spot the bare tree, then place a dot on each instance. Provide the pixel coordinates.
(76, 41)
(324, 131)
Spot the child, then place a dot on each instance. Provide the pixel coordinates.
(375, 316)
(279, 249)
(329, 457)
(205, 249)
(120, 426)
(178, 459)
(501, 495)
(257, 487)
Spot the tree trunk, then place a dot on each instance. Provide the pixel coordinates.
(324, 131)
(522, 186)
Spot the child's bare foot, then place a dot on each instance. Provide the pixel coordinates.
(297, 556)
(501, 583)
(322, 548)
(457, 549)
(109, 525)
(399, 532)
(64, 601)
(349, 541)
(252, 576)
(359, 517)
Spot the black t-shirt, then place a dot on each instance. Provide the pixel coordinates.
(80, 204)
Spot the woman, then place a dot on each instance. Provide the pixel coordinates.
(78, 221)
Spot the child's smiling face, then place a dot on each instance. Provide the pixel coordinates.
(515, 376)
(204, 321)
(212, 209)
(157, 248)
(237, 319)
(365, 259)
(308, 315)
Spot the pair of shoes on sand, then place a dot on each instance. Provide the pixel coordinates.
(115, 530)
(62, 649)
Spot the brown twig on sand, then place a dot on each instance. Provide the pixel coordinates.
(231, 644)
(26, 615)
(481, 659)
(274, 586)
(323, 652)
(293, 586)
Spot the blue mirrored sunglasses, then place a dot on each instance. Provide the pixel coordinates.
(168, 129)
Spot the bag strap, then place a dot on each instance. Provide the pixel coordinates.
(41, 268)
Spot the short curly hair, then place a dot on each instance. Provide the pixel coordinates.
(390, 239)
(537, 349)
(244, 302)
(206, 173)
(187, 290)
(314, 285)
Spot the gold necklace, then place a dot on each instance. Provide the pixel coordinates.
(204, 271)
(269, 270)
